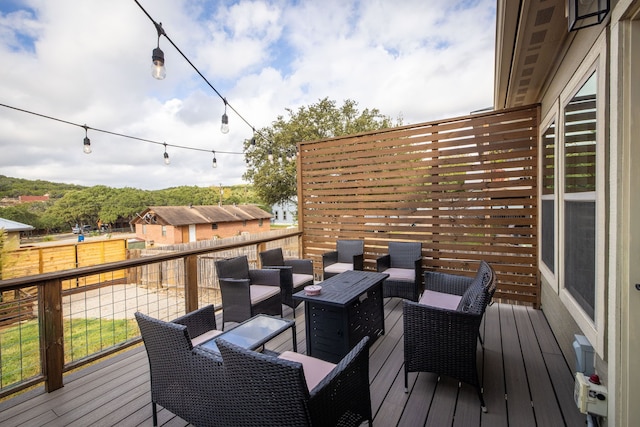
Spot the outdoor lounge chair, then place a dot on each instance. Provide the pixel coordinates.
(403, 264)
(247, 292)
(296, 390)
(441, 331)
(189, 385)
(295, 274)
(349, 255)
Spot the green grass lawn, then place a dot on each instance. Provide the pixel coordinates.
(20, 348)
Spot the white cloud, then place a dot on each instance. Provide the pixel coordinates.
(88, 62)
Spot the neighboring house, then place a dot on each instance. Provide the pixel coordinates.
(13, 229)
(184, 224)
(31, 199)
(284, 213)
(586, 83)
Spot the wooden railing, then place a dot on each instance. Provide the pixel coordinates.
(50, 302)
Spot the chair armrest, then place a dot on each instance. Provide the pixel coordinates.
(236, 289)
(358, 262)
(265, 277)
(300, 266)
(199, 321)
(438, 330)
(383, 262)
(446, 283)
(346, 388)
(329, 258)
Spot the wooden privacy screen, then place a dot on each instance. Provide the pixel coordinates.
(464, 187)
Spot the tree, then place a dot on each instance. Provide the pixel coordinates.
(270, 156)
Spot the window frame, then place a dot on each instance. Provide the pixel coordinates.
(552, 118)
(593, 329)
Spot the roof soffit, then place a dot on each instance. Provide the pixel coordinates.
(530, 37)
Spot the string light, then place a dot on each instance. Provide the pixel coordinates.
(158, 70)
(159, 27)
(166, 155)
(85, 127)
(224, 127)
(87, 142)
(215, 162)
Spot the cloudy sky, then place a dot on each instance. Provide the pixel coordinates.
(89, 63)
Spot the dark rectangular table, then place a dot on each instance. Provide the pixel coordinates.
(254, 333)
(349, 307)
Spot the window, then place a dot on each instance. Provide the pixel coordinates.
(144, 228)
(164, 231)
(244, 223)
(260, 222)
(548, 210)
(580, 196)
(214, 226)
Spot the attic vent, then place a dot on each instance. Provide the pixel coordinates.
(544, 16)
(538, 37)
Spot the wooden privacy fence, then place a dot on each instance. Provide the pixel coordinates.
(464, 187)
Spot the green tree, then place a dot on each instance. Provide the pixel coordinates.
(270, 156)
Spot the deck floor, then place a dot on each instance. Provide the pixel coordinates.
(526, 382)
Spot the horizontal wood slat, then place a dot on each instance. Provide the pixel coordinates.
(465, 187)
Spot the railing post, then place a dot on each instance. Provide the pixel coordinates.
(260, 247)
(191, 283)
(51, 333)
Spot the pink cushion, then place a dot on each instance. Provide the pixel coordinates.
(299, 279)
(262, 292)
(205, 337)
(338, 267)
(404, 274)
(440, 300)
(314, 369)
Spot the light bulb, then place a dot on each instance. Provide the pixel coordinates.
(166, 158)
(158, 70)
(270, 156)
(215, 163)
(224, 127)
(87, 145)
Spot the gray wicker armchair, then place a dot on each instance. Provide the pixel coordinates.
(295, 274)
(190, 385)
(349, 255)
(441, 331)
(270, 391)
(247, 292)
(403, 263)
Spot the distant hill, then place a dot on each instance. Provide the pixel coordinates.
(14, 187)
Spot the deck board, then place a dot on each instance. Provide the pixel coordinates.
(519, 354)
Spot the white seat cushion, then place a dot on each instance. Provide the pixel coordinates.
(299, 279)
(262, 292)
(404, 274)
(440, 300)
(339, 267)
(205, 337)
(314, 369)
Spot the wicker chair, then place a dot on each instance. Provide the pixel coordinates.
(295, 274)
(247, 292)
(441, 331)
(188, 384)
(403, 263)
(269, 391)
(349, 255)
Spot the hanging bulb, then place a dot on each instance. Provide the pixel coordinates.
(87, 146)
(166, 156)
(87, 142)
(158, 70)
(215, 162)
(253, 138)
(224, 127)
(270, 156)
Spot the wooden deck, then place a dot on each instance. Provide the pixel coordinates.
(527, 382)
